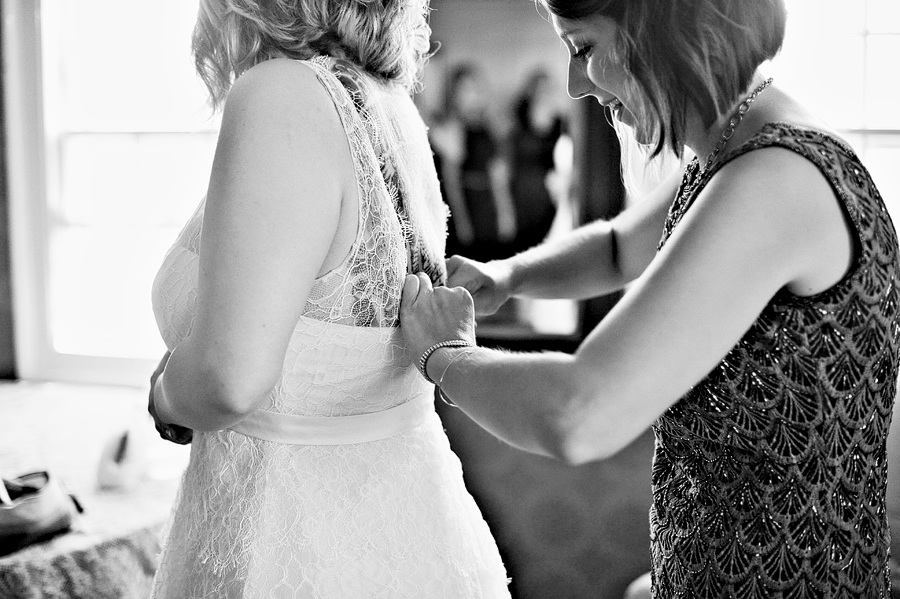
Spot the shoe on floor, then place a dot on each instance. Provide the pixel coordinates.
(33, 508)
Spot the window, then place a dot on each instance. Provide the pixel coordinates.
(110, 145)
(839, 58)
(105, 168)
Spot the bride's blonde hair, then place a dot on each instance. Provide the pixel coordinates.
(386, 38)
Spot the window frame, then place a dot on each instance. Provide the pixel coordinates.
(27, 143)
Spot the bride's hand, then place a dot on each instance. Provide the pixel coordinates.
(169, 432)
(430, 315)
(487, 282)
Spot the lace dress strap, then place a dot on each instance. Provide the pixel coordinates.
(364, 289)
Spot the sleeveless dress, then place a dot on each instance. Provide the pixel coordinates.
(769, 476)
(343, 484)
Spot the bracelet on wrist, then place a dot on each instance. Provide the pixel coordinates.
(440, 382)
(423, 359)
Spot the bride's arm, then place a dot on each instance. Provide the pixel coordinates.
(281, 170)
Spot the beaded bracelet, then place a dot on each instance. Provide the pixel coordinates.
(423, 360)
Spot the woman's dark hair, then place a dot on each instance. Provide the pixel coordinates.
(686, 53)
(526, 95)
(457, 75)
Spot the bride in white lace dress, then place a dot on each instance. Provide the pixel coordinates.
(318, 467)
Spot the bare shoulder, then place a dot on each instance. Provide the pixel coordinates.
(281, 125)
(782, 198)
(282, 93)
(277, 78)
(281, 144)
(777, 181)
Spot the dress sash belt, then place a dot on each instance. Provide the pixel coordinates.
(336, 430)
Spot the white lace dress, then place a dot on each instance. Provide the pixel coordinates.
(343, 485)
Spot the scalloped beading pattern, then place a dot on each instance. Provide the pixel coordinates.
(769, 476)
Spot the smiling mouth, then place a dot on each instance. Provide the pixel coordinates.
(614, 105)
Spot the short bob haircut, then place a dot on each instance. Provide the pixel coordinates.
(389, 39)
(700, 54)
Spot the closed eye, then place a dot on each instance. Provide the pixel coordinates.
(583, 52)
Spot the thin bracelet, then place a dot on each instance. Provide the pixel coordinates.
(440, 382)
(423, 360)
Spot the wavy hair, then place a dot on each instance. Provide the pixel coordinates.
(389, 39)
(685, 54)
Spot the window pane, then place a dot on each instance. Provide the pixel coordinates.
(809, 65)
(882, 83)
(881, 158)
(123, 65)
(827, 16)
(130, 145)
(133, 179)
(99, 296)
(884, 16)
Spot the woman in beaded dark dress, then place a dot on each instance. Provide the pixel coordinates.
(759, 332)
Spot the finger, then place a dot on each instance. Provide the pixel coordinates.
(459, 276)
(462, 292)
(410, 290)
(425, 285)
(453, 263)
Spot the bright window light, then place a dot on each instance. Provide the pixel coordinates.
(129, 148)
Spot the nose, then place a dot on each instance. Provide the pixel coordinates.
(578, 84)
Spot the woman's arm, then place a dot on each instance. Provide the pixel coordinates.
(767, 220)
(594, 259)
(281, 172)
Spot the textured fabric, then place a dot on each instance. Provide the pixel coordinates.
(120, 567)
(386, 518)
(769, 476)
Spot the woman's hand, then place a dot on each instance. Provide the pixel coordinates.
(429, 315)
(488, 283)
(169, 432)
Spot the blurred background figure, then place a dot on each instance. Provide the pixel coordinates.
(473, 174)
(538, 126)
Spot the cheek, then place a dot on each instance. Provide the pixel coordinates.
(613, 79)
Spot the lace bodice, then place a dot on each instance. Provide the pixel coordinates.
(769, 476)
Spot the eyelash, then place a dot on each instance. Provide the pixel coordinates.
(583, 53)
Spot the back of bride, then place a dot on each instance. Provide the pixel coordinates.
(318, 467)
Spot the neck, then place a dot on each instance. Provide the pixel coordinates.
(702, 140)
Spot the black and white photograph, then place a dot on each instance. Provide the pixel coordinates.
(449, 299)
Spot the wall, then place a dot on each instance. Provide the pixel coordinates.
(7, 351)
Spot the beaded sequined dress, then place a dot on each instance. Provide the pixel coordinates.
(383, 518)
(769, 476)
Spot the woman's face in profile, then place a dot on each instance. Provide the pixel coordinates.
(594, 69)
